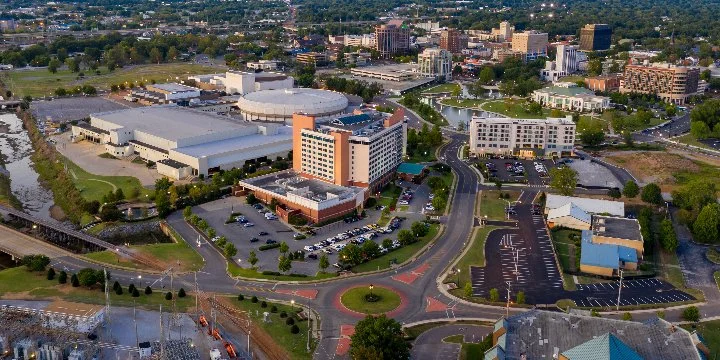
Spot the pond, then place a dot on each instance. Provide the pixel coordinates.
(454, 115)
(16, 149)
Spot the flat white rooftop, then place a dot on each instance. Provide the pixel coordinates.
(173, 87)
(244, 142)
(169, 122)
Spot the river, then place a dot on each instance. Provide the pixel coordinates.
(16, 147)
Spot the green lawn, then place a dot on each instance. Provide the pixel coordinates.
(109, 257)
(475, 256)
(93, 187)
(572, 78)
(294, 344)
(423, 155)
(170, 254)
(589, 122)
(706, 171)
(389, 195)
(492, 206)
(710, 331)
(442, 88)
(236, 270)
(465, 103)
(400, 255)
(516, 109)
(691, 140)
(716, 275)
(563, 244)
(354, 299)
(713, 255)
(42, 83)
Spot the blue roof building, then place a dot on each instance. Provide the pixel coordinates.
(605, 347)
(605, 259)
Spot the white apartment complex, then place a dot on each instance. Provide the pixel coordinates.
(522, 137)
(435, 63)
(567, 61)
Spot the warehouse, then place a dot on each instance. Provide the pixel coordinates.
(280, 104)
(183, 142)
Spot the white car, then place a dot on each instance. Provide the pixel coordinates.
(429, 208)
(403, 202)
(309, 248)
(215, 239)
(248, 224)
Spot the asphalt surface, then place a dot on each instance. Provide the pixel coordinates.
(430, 344)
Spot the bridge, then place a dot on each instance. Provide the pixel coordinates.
(17, 244)
(69, 239)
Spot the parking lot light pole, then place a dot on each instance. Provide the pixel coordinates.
(617, 306)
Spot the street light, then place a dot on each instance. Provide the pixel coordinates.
(457, 272)
(371, 288)
(292, 305)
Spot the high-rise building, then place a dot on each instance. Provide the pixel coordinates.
(566, 63)
(391, 39)
(435, 63)
(673, 84)
(504, 32)
(453, 41)
(595, 37)
(522, 137)
(531, 43)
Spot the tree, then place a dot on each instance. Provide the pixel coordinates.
(74, 280)
(592, 137)
(35, 262)
(230, 250)
(252, 258)
(294, 329)
(594, 67)
(381, 334)
(564, 180)
(695, 194)
(148, 290)
(254, 299)
(691, 313)
(284, 264)
(706, 226)
(370, 249)
(172, 54)
(110, 212)
(119, 194)
(51, 274)
(187, 212)
(211, 232)
(668, 238)
(53, 65)
(162, 203)
(707, 113)
(88, 277)
(456, 92)
(494, 295)
(535, 108)
(241, 297)
(62, 278)
(652, 194)
(155, 55)
(467, 289)
(631, 189)
(135, 293)
(181, 293)
(520, 297)
(476, 89)
(284, 248)
(486, 75)
(351, 254)
(419, 228)
(614, 193)
(323, 263)
(406, 237)
(118, 290)
(556, 113)
(72, 65)
(251, 199)
(168, 296)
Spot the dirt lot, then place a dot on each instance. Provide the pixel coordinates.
(653, 166)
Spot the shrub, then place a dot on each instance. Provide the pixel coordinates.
(283, 314)
(168, 296)
(268, 272)
(131, 288)
(268, 246)
(181, 293)
(51, 274)
(289, 321)
(74, 281)
(691, 314)
(627, 316)
(241, 297)
(148, 290)
(254, 299)
(294, 329)
(135, 293)
(62, 278)
(119, 290)
(273, 309)
(35, 262)
(263, 304)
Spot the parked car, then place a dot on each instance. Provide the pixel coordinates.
(252, 240)
(270, 241)
(312, 256)
(262, 233)
(309, 248)
(215, 239)
(248, 224)
(403, 202)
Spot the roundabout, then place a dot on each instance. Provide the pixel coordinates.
(370, 299)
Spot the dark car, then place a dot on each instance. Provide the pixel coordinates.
(313, 256)
(262, 233)
(254, 239)
(270, 241)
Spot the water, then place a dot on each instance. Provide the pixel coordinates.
(16, 147)
(455, 115)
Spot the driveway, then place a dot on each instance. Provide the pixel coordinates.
(430, 345)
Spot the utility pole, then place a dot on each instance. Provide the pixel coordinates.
(137, 339)
(309, 328)
(617, 306)
(197, 310)
(162, 335)
(507, 304)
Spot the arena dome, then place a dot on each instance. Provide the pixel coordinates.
(281, 104)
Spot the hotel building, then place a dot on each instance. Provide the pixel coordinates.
(522, 137)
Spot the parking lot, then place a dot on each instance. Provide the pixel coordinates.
(73, 108)
(240, 234)
(513, 171)
(591, 173)
(634, 292)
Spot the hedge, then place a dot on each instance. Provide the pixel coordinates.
(269, 246)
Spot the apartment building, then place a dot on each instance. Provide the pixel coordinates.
(673, 84)
(362, 149)
(312, 58)
(453, 41)
(604, 83)
(531, 43)
(435, 63)
(522, 137)
(595, 37)
(504, 32)
(391, 39)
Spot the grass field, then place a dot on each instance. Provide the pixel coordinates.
(41, 82)
(563, 243)
(492, 206)
(691, 140)
(713, 255)
(354, 299)
(442, 88)
(294, 344)
(93, 187)
(236, 270)
(170, 254)
(400, 255)
(516, 109)
(710, 331)
(475, 256)
(465, 103)
(469, 351)
(20, 283)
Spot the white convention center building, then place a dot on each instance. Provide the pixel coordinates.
(280, 104)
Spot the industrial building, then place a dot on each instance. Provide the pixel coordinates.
(244, 82)
(279, 105)
(435, 63)
(165, 93)
(537, 334)
(673, 84)
(569, 96)
(336, 166)
(595, 37)
(181, 141)
(526, 138)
